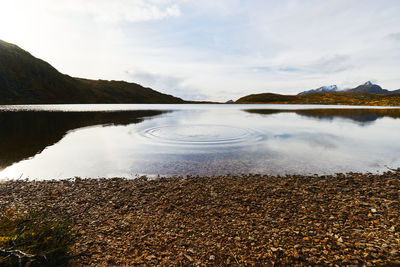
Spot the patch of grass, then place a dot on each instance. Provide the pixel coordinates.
(33, 239)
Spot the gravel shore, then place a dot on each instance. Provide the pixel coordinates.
(345, 219)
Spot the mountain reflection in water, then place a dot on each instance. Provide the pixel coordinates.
(24, 134)
(362, 116)
(55, 142)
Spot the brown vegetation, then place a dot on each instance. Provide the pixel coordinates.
(335, 98)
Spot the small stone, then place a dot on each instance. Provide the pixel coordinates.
(212, 258)
(149, 258)
(188, 257)
(373, 210)
(296, 254)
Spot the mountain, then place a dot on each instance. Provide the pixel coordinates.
(323, 89)
(369, 88)
(25, 79)
(366, 88)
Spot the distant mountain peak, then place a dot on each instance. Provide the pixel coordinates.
(365, 88)
(369, 83)
(329, 87)
(369, 88)
(323, 89)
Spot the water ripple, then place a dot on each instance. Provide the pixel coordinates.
(201, 134)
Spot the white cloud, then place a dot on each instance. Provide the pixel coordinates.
(395, 36)
(129, 10)
(176, 86)
(100, 10)
(331, 64)
(210, 49)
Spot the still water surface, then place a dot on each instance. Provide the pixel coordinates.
(63, 141)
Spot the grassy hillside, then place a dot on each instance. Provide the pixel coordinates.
(25, 79)
(336, 98)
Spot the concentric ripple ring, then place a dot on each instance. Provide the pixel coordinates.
(201, 134)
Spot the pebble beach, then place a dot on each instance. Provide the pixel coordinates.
(342, 219)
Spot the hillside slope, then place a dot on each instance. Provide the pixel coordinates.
(25, 79)
(334, 98)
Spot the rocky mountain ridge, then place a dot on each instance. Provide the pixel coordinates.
(366, 88)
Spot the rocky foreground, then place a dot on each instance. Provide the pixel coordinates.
(347, 219)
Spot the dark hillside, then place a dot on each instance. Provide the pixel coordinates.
(25, 79)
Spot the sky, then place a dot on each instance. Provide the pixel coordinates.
(213, 49)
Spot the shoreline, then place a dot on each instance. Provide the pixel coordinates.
(345, 219)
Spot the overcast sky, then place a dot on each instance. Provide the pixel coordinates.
(213, 49)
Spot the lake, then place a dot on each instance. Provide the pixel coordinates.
(64, 141)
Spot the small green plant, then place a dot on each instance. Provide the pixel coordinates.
(33, 238)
